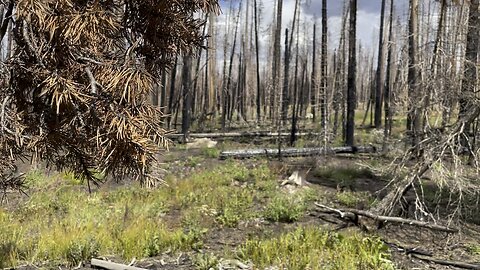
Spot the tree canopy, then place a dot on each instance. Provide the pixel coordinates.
(74, 90)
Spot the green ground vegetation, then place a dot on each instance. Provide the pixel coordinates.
(60, 223)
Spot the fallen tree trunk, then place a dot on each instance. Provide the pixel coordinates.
(241, 135)
(112, 266)
(385, 219)
(457, 264)
(427, 256)
(296, 152)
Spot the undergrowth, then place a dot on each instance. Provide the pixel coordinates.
(313, 248)
(61, 223)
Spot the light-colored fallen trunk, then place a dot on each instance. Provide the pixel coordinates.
(96, 263)
(241, 134)
(296, 152)
(385, 219)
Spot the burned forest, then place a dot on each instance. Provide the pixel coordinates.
(239, 134)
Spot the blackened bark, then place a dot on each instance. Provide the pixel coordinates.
(186, 95)
(379, 86)
(352, 70)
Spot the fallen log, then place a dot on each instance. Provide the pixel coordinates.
(386, 219)
(427, 256)
(96, 263)
(296, 152)
(241, 135)
(457, 264)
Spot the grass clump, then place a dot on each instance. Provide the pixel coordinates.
(313, 248)
(284, 208)
(211, 152)
(193, 161)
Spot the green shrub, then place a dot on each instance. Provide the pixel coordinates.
(204, 261)
(211, 152)
(283, 208)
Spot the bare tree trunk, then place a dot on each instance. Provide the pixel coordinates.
(414, 125)
(186, 95)
(163, 93)
(257, 58)
(388, 98)
(324, 68)
(438, 39)
(314, 89)
(469, 81)
(296, 99)
(171, 96)
(337, 99)
(227, 92)
(285, 95)
(352, 72)
(286, 77)
(197, 74)
(212, 66)
(380, 71)
(276, 59)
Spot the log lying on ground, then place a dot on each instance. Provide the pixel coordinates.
(296, 152)
(241, 135)
(112, 266)
(427, 256)
(385, 219)
(457, 264)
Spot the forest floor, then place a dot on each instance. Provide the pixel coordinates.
(216, 214)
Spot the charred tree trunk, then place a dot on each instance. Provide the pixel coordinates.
(285, 94)
(288, 52)
(379, 73)
(324, 67)
(257, 59)
(469, 81)
(414, 125)
(352, 71)
(171, 96)
(227, 95)
(186, 95)
(276, 59)
(388, 96)
(163, 93)
(314, 89)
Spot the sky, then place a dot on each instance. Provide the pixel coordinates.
(368, 20)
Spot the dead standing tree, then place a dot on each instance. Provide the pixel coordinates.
(442, 150)
(352, 72)
(75, 92)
